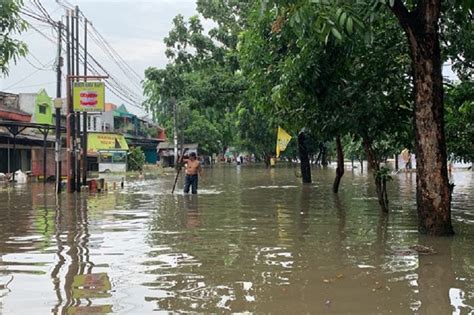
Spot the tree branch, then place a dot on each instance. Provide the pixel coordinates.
(402, 14)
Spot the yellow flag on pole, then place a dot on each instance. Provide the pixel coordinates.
(283, 138)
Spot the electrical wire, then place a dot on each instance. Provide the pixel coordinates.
(118, 89)
(114, 84)
(120, 59)
(126, 68)
(22, 79)
(43, 67)
(34, 85)
(108, 52)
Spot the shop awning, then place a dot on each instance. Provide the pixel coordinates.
(106, 142)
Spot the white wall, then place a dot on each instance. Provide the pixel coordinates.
(112, 167)
(27, 103)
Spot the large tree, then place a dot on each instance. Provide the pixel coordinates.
(420, 22)
(433, 192)
(11, 24)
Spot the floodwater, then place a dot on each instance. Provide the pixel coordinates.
(254, 240)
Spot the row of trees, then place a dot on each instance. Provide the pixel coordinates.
(333, 71)
(365, 75)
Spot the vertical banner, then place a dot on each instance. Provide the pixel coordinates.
(88, 96)
(283, 138)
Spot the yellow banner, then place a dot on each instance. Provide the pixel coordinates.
(105, 142)
(283, 138)
(88, 96)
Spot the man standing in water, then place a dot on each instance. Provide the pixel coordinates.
(193, 167)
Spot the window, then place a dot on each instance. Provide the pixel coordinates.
(105, 157)
(120, 157)
(42, 108)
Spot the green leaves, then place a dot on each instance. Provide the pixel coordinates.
(459, 120)
(135, 159)
(11, 24)
(336, 33)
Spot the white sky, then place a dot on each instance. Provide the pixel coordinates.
(134, 28)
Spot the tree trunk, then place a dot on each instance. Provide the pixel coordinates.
(324, 155)
(374, 166)
(340, 165)
(433, 192)
(396, 162)
(304, 158)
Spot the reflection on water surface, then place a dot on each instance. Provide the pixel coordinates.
(253, 240)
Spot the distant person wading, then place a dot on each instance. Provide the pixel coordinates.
(193, 167)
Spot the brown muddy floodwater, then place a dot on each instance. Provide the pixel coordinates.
(254, 240)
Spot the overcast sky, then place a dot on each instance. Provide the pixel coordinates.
(134, 28)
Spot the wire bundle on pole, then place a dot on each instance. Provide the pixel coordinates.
(36, 13)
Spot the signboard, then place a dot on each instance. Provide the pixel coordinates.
(106, 142)
(94, 285)
(88, 96)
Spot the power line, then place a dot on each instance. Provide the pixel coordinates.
(33, 85)
(23, 79)
(109, 53)
(120, 59)
(113, 83)
(106, 45)
(115, 86)
(43, 67)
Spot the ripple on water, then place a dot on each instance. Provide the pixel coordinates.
(251, 241)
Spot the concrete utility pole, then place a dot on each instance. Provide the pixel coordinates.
(70, 117)
(84, 115)
(76, 136)
(57, 105)
(77, 160)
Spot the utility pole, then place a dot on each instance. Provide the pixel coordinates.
(84, 121)
(57, 105)
(71, 113)
(77, 40)
(77, 161)
(70, 118)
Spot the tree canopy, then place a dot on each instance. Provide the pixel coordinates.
(11, 25)
(366, 72)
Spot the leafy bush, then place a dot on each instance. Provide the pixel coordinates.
(136, 159)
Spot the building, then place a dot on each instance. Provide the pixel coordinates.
(139, 132)
(15, 150)
(26, 133)
(117, 124)
(27, 137)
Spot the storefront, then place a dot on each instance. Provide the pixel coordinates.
(108, 151)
